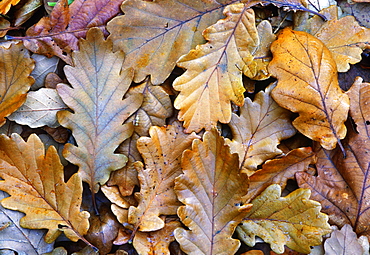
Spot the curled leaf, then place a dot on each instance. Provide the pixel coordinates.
(308, 85)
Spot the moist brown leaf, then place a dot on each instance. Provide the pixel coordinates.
(278, 171)
(343, 241)
(15, 80)
(35, 183)
(175, 27)
(344, 37)
(258, 130)
(98, 85)
(154, 111)
(308, 85)
(342, 184)
(294, 220)
(58, 34)
(161, 152)
(213, 191)
(156, 242)
(213, 77)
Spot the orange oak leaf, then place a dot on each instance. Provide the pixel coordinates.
(58, 33)
(6, 4)
(98, 85)
(214, 70)
(258, 130)
(308, 85)
(154, 111)
(344, 37)
(35, 182)
(154, 49)
(161, 152)
(15, 80)
(156, 242)
(213, 191)
(278, 171)
(342, 184)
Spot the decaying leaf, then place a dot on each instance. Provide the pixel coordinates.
(6, 4)
(343, 241)
(40, 109)
(308, 85)
(214, 70)
(344, 37)
(58, 33)
(154, 111)
(43, 66)
(294, 220)
(213, 191)
(161, 152)
(15, 80)
(258, 130)
(154, 49)
(18, 239)
(156, 242)
(278, 171)
(98, 85)
(342, 184)
(35, 182)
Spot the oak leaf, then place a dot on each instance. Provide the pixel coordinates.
(35, 182)
(15, 80)
(43, 66)
(342, 184)
(213, 191)
(156, 242)
(40, 109)
(308, 85)
(213, 77)
(58, 34)
(344, 241)
(258, 130)
(294, 220)
(21, 240)
(162, 153)
(6, 4)
(154, 111)
(98, 85)
(344, 37)
(153, 50)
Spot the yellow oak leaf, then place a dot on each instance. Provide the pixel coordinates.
(294, 220)
(175, 28)
(35, 183)
(162, 153)
(214, 70)
(258, 130)
(98, 86)
(6, 4)
(15, 80)
(308, 85)
(213, 190)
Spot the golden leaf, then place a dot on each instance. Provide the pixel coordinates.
(175, 27)
(294, 220)
(15, 80)
(6, 4)
(98, 85)
(162, 152)
(214, 70)
(213, 191)
(258, 130)
(308, 85)
(35, 183)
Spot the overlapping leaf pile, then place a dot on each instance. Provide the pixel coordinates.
(124, 153)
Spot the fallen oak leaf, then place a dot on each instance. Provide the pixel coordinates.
(294, 220)
(98, 85)
(15, 80)
(213, 77)
(308, 84)
(6, 4)
(35, 182)
(213, 192)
